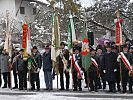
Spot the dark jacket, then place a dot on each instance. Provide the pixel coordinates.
(99, 60)
(47, 62)
(21, 65)
(110, 65)
(36, 61)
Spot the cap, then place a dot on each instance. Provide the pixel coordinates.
(35, 47)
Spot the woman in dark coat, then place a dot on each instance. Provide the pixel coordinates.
(5, 68)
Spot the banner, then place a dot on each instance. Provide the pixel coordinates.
(118, 32)
(24, 36)
(86, 58)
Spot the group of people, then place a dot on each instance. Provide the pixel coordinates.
(111, 70)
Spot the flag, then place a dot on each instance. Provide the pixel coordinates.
(71, 31)
(24, 38)
(55, 37)
(28, 47)
(118, 30)
(86, 58)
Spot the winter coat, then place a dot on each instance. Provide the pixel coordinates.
(47, 62)
(110, 66)
(21, 65)
(36, 61)
(4, 63)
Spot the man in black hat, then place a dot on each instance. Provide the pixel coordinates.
(93, 74)
(21, 65)
(64, 65)
(76, 79)
(110, 65)
(125, 72)
(36, 63)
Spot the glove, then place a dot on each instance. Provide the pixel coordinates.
(115, 70)
(38, 70)
(104, 71)
(118, 58)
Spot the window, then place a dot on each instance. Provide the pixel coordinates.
(34, 11)
(22, 10)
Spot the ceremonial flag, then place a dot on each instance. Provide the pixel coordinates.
(24, 38)
(28, 47)
(86, 58)
(55, 37)
(71, 31)
(118, 28)
(118, 32)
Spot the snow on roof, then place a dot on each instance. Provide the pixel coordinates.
(43, 1)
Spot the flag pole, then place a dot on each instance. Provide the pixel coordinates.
(9, 48)
(118, 17)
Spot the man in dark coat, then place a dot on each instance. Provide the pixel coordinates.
(125, 72)
(36, 63)
(99, 59)
(21, 65)
(15, 53)
(77, 80)
(93, 74)
(64, 55)
(47, 68)
(110, 65)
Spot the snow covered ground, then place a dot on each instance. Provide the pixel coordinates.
(7, 94)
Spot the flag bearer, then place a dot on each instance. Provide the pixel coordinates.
(36, 63)
(77, 69)
(64, 66)
(93, 74)
(21, 65)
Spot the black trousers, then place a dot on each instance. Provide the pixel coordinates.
(85, 75)
(130, 84)
(22, 79)
(61, 71)
(15, 78)
(6, 78)
(93, 81)
(111, 86)
(103, 80)
(77, 82)
(0, 79)
(34, 77)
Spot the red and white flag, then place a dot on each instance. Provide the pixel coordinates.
(28, 47)
(118, 30)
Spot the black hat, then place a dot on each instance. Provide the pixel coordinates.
(22, 49)
(47, 47)
(99, 48)
(62, 43)
(125, 46)
(92, 49)
(113, 47)
(131, 47)
(127, 40)
(35, 47)
(109, 45)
